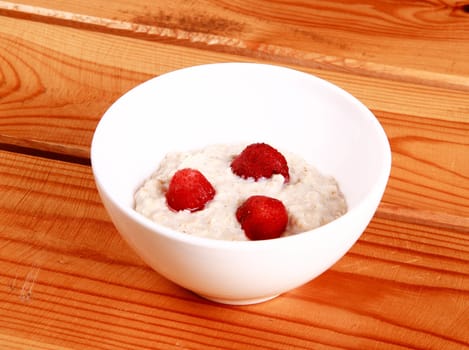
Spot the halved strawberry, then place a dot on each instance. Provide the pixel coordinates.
(260, 160)
(189, 190)
(262, 217)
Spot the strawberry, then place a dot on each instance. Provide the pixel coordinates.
(260, 160)
(262, 217)
(189, 190)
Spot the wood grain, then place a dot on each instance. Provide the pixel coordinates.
(402, 41)
(430, 172)
(68, 281)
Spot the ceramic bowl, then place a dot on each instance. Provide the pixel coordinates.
(240, 103)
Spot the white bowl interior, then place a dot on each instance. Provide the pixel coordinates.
(210, 104)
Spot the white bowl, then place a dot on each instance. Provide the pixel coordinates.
(231, 103)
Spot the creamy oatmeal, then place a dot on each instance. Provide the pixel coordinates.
(311, 198)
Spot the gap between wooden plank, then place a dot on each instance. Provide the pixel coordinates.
(45, 150)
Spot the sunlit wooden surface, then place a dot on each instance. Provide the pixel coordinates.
(68, 281)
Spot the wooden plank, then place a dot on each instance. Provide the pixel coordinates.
(405, 41)
(97, 68)
(15, 343)
(430, 172)
(53, 101)
(67, 280)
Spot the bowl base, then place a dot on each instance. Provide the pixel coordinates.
(238, 301)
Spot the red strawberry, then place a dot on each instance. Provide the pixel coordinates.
(262, 217)
(189, 190)
(260, 160)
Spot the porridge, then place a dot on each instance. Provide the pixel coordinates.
(310, 198)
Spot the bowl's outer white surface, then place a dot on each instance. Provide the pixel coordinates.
(231, 103)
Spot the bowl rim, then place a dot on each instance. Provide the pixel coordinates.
(155, 228)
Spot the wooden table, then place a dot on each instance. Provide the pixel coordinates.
(68, 281)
